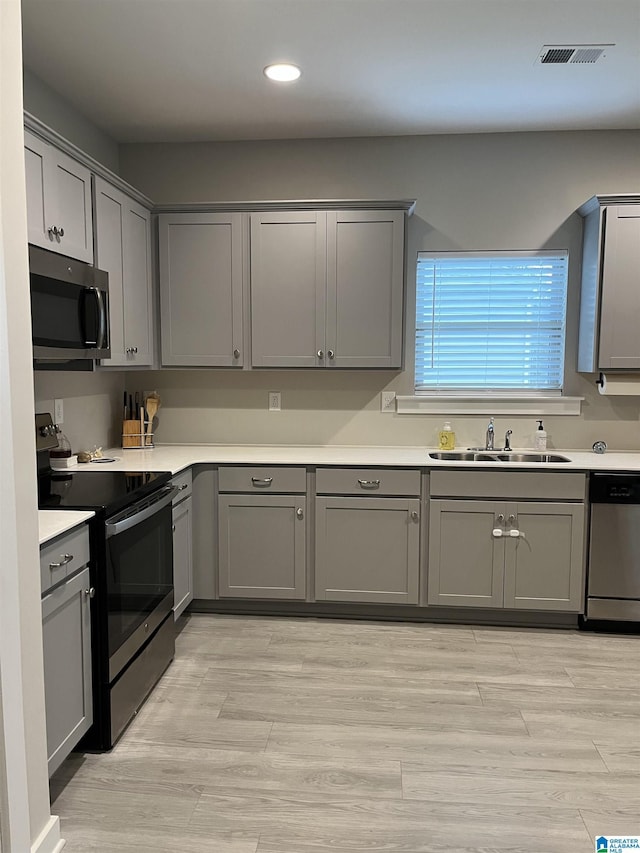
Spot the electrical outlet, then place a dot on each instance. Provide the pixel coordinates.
(388, 401)
(58, 411)
(274, 401)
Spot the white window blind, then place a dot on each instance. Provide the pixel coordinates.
(490, 321)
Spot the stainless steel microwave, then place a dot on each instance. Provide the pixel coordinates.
(69, 308)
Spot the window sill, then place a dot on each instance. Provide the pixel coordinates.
(438, 404)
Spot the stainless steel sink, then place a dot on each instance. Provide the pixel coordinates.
(531, 457)
(514, 458)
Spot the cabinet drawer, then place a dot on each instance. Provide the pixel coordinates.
(262, 479)
(367, 481)
(184, 482)
(542, 485)
(63, 556)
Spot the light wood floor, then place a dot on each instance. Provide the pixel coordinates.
(317, 736)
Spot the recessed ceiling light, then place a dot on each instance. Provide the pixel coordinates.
(282, 72)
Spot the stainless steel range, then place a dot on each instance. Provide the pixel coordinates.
(132, 574)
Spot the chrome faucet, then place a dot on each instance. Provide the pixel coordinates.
(507, 439)
(488, 444)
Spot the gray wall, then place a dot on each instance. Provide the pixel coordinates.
(56, 112)
(480, 191)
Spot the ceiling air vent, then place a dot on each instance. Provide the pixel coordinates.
(577, 54)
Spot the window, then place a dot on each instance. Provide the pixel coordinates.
(490, 321)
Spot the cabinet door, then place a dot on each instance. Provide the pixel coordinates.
(466, 561)
(58, 197)
(367, 549)
(262, 546)
(123, 249)
(620, 303)
(201, 289)
(182, 556)
(66, 633)
(39, 218)
(288, 271)
(544, 567)
(72, 193)
(365, 279)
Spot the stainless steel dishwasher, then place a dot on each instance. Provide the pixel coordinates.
(613, 585)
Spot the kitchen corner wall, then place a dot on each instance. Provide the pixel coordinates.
(474, 192)
(92, 402)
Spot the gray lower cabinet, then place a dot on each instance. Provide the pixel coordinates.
(367, 549)
(66, 630)
(262, 546)
(182, 556)
(182, 519)
(515, 555)
(201, 259)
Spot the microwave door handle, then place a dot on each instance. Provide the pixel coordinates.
(100, 311)
(102, 319)
(113, 528)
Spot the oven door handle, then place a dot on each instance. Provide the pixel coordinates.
(113, 528)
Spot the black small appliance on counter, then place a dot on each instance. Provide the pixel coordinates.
(132, 626)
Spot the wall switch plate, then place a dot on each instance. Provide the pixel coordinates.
(275, 399)
(388, 401)
(58, 411)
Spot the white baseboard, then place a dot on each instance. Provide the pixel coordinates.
(49, 840)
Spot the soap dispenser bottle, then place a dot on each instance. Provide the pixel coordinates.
(446, 437)
(540, 437)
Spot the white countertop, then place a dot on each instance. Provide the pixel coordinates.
(176, 457)
(53, 522)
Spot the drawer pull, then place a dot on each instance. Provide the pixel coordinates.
(91, 592)
(183, 486)
(66, 559)
(370, 484)
(299, 512)
(262, 481)
(415, 516)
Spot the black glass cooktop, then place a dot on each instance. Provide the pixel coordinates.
(108, 491)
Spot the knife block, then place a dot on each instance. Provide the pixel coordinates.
(134, 436)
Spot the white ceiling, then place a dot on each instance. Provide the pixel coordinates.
(179, 70)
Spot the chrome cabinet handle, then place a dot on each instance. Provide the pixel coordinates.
(511, 519)
(183, 486)
(91, 592)
(500, 518)
(236, 353)
(173, 528)
(299, 512)
(320, 353)
(55, 231)
(66, 559)
(369, 484)
(414, 515)
(262, 481)
(331, 354)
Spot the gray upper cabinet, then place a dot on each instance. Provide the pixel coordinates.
(365, 275)
(201, 289)
(288, 272)
(327, 288)
(58, 200)
(610, 302)
(123, 249)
